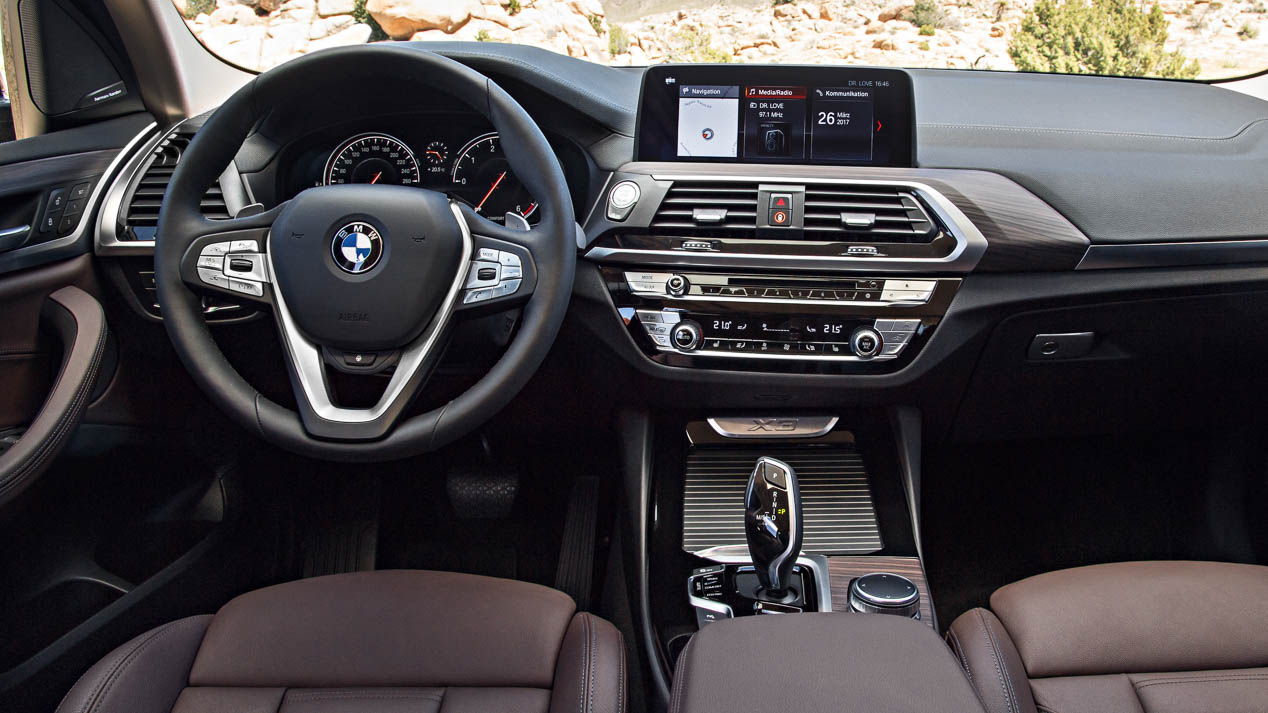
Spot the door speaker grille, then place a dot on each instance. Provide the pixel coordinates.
(835, 499)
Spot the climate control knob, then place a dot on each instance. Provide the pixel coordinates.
(686, 336)
(865, 342)
(677, 285)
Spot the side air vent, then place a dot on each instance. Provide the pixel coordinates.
(719, 210)
(844, 212)
(145, 197)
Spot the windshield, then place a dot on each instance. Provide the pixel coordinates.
(1183, 39)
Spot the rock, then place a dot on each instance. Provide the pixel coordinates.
(586, 7)
(875, 28)
(324, 28)
(269, 5)
(357, 34)
(827, 12)
(884, 43)
(327, 8)
(785, 10)
(893, 13)
(294, 34)
(233, 15)
(493, 32)
(402, 18)
(997, 30)
(810, 10)
(429, 36)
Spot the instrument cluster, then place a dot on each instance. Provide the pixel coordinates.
(456, 154)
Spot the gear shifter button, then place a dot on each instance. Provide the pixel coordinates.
(775, 475)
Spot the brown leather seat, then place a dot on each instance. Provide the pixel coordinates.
(370, 642)
(1136, 637)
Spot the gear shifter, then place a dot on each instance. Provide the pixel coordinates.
(772, 523)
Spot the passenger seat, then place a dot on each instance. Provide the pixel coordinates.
(1135, 637)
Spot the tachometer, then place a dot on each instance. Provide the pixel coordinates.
(483, 176)
(372, 158)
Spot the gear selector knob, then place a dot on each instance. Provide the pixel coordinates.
(772, 523)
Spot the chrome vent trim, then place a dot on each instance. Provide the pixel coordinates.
(685, 200)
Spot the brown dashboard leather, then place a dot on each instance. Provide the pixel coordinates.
(1133, 637)
(370, 642)
(80, 324)
(820, 663)
(1138, 617)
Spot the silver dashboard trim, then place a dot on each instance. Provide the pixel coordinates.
(106, 239)
(742, 427)
(970, 243)
(310, 370)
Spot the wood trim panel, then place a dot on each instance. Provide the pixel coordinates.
(1024, 234)
(841, 570)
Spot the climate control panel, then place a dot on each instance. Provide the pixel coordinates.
(777, 336)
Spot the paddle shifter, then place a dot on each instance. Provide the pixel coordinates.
(772, 524)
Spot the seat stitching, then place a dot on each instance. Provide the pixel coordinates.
(1204, 679)
(352, 695)
(585, 660)
(620, 674)
(594, 660)
(107, 683)
(958, 648)
(999, 671)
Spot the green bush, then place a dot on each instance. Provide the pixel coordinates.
(777, 3)
(360, 14)
(695, 46)
(618, 40)
(597, 23)
(1001, 7)
(927, 30)
(1248, 32)
(1115, 37)
(924, 46)
(482, 36)
(194, 8)
(927, 12)
(513, 7)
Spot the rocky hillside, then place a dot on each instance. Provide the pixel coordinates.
(1224, 36)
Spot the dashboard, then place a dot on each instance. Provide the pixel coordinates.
(455, 153)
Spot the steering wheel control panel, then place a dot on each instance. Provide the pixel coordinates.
(759, 322)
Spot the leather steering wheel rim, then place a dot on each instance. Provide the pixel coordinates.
(551, 244)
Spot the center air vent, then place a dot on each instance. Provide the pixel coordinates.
(719, 210)
(145, 198)
(876, 214)
(830, 212)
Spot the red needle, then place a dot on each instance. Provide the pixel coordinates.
(376, 178)
(492, 188)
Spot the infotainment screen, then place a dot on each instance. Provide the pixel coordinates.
(811, 115)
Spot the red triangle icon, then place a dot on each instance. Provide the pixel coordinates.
(779, 201)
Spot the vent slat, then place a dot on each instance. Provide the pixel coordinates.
(148, 193)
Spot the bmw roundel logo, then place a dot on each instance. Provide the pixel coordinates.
(357, 248)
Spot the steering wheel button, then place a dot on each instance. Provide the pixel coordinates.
(215, 278)
(509, 271)
(508, 287)
(359, 358)
(510, 259)
(215, 262)
(487, 254)
(481, 295)
(215, 249)
(244, 246)
(482, 274)
(246, 287)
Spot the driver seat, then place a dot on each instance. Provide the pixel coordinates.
(369, 642)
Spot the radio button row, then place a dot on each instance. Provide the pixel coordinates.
(655, 328)
(892, 349)
(896, 337)
(661, 340)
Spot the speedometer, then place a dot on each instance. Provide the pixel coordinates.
(372, 158)
(482, 175)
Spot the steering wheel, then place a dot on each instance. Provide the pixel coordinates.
(365, 278)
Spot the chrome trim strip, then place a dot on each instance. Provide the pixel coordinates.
(107, 241)
(803, 426)
(738, 554)
(795, 357)
(19, 230)
(310, 368)
(970, 243)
